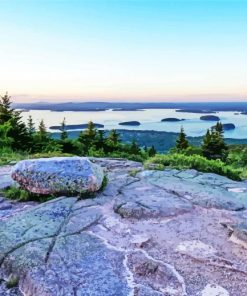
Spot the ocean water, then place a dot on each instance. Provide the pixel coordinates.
(150, 119)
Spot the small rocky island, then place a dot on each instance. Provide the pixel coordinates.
(228, 126)
(210, 118)
(146, 233)
(75, 126)
(171, 119)
(130, 123)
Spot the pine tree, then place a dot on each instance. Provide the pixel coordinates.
(30, 126)
(219, 128)
(64, 133)
(182, 142)
(90, 131)
(113, 137)
(206, 145)
(214, 146)
(100, 140)
(17, 131)
(134, 148)
(88, 137)
(5, 141)
(42, 132)
(152, 151)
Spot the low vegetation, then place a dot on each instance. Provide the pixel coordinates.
(197, 162)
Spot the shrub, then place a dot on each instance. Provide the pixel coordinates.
(200, 163)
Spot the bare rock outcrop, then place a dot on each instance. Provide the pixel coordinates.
(148, 233)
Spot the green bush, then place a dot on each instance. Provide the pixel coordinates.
(200, 163)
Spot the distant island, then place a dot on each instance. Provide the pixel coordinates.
(195, 111)
(130, 123)
(228, 126)
(75, 126)
(171, 119)
(127, 109)
(210, 118)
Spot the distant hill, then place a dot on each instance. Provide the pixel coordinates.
(101, 106)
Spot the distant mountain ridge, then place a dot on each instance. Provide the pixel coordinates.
(102, 106)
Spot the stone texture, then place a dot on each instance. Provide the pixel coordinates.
(5, 177)
(58, 175)
(163, 233)
(202, 190)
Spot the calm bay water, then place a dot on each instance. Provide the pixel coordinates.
(150, 120)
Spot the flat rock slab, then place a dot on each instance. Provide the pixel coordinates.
(206, 190)
(152, 233)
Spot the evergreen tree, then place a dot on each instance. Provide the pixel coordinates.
(134, 148)
(152, 151)
(100, 140)
(214, 146)
(219, 128)
(90, 131)
(30, 126)
(88, 137)
(5, 141)
(113, 138)
(42, 132)
(182, 142)
(17, 131)
(64, 133)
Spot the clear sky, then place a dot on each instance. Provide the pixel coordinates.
(123, 50)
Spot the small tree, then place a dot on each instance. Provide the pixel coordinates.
(134, 148)
(42, 132)
(88, 137)
(17, 131)
(214, 146)
(30, 126)
(152, 151)
(64, 133)
(182, 142)
(113, 138)
(5, 141)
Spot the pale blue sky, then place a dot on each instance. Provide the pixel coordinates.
(123, 50)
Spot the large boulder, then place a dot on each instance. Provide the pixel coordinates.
(58, 175)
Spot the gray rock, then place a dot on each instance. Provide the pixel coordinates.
(140, 201)
(58, 175)
(239, 234)
(206, 194)
(5, 177)
(78, 265)
(175, 245)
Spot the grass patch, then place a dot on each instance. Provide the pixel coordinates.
(20, 194)
(8, 156)
(17, 193)
(134, 172)
(200, 163)
(12, 282)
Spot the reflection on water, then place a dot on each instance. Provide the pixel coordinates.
(150, 120)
